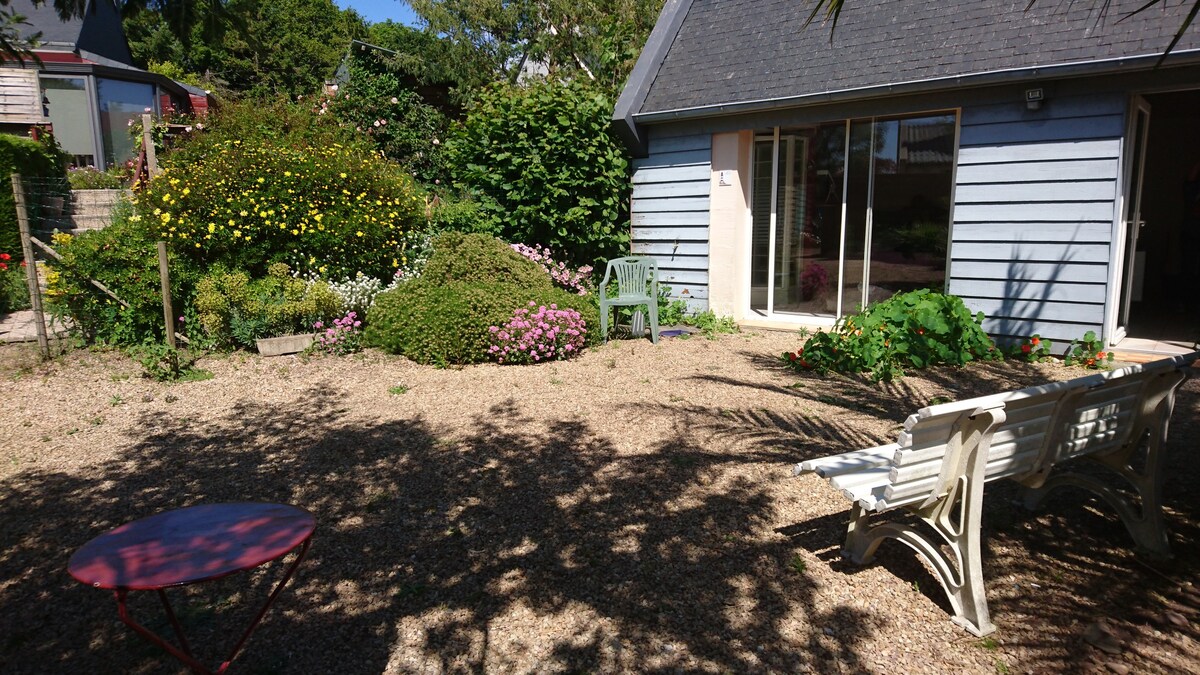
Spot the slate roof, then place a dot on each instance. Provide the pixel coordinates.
(44, 18)
(731, 51)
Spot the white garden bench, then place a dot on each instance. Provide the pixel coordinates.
(946, 453)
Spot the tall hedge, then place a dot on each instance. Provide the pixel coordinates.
(546, 169)
(34, 160)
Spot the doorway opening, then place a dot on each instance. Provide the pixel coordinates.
(1162, 283)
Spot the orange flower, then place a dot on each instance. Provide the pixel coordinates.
(1034, 341)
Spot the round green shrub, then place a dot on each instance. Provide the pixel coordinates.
(482, 258)
(447, 322)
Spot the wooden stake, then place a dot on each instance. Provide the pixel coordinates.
(35, 292)
(168, 314)
(148, 144)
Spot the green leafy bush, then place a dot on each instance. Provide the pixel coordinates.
(377, 101)
(294, 195)
(447, 323)
(233, 310)
(917, 329)
(546, 169)
(124, 258)
(35, 161)
(91, 178)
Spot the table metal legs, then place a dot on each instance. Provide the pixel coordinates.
(184, 652)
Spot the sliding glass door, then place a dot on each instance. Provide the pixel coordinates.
(848, 213)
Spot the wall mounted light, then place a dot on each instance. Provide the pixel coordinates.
(1034, 98)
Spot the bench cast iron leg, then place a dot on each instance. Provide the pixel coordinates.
(956, 518)
(1145, 524)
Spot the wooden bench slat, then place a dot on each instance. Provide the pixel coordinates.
(836, 465)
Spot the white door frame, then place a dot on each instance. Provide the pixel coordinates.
(1121, 262)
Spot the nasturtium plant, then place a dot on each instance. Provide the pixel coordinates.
(544, 167)
(909, 330)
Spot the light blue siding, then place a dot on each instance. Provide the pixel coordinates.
(1035, 199)
(669, 211)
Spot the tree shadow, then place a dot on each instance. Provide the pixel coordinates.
(427, 546)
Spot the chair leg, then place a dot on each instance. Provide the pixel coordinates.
(604, 322)
(652, 309)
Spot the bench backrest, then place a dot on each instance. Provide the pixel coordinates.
(1042, 425)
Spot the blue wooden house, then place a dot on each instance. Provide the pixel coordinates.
(1036, 163)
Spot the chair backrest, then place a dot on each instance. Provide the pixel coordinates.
(635, 276)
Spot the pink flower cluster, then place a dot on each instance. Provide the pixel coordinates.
(538, 333)
(576, 281)
(343, 337)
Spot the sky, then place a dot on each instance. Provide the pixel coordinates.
(376, 11)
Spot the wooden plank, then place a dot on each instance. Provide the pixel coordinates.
(667, 249)
(1036, 172)
(1030, 290)
(1059, 312)
(678, 277)
(1075, 128)
(1033, 231)
(1060, 212)
(1037, 252)
(690, 157)
(670, 234)
(684, 218)
(672, 138)
(1096, 273)
(1066, 191)
(672, 174)
(683, 262)
(669, 204)
(1060, 332)
(1107, 148)
(1062, 107)
(694, 188)
(689, 292)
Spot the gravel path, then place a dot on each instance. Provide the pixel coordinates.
(631, 510)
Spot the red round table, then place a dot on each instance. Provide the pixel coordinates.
(189, 546)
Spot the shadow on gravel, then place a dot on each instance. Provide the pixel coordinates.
(410, 524)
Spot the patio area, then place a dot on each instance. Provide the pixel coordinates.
(629, 510)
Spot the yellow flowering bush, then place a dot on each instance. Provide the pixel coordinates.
(334, 210)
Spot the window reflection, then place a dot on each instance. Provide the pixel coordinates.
(893, 236)
(66, 103)
(120, 103)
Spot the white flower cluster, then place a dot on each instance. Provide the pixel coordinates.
(357, 294)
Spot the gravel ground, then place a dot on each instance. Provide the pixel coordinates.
(631, 510)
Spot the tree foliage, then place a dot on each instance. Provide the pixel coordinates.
(244, 46)
(545, 168)
(598, 40)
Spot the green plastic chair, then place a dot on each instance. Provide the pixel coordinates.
(637, 284)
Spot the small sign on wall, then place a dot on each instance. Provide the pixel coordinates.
(725, 177)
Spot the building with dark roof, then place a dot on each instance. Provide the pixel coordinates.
(86, 87)
(1034, 163)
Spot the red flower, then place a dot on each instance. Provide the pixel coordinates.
(920, 331)
(5, 256)
(3, 267)
(1025, 348)
(1100, 355)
